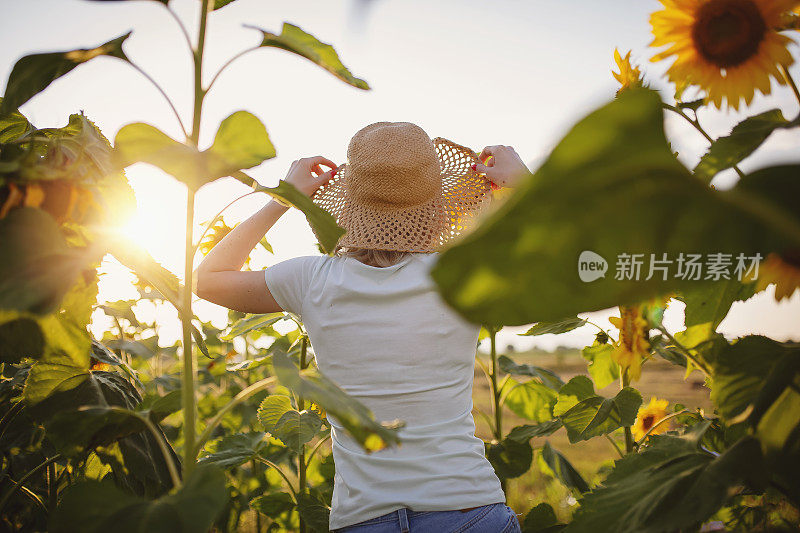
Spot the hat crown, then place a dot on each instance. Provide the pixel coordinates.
(393, 164)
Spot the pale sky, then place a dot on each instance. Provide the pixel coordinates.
(510, 72)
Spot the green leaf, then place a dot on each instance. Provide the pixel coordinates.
(528, 431)
(322, 223)
(509, 458)
(46, 379)
(272, 408)
(613, 171)
(547, 377)
(666, 487)
(296, 428)
(13, 125)
(314, 512)
(235, 450)
(219, 4)
(241, 142)
(33, 73)
(249, 323)
(158, 408)
(596, 415)
(577, 388)
(531, 400)
(92, 506)
(38, 267)
(20, 337)
(273, 504)
(139, 142)
(743, 140)
(342, 409)
(710, 305)
(556, 327)
(541, 519)
(603, 369)
(563, 469)
(740, 372)
(73, 432)
(297, 41)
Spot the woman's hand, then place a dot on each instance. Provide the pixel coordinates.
(306, 174)
(502, 165)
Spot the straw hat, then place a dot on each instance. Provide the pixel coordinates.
(400, 190)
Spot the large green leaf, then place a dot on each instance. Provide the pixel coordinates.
(596, 415)
(531, 400)
(32, 74)
(249, 323)
(46, 379)
(20, 337)
(273, 504)
(314, 512)
(13, 125)
(576, 389)
(510, 458)
(743, 140)
(526, 432)
(234, 450)
(85, 428)
(292, 427)
(547, 377)
(541, 519)
(612, 186)
(740, 372)
(93, 506)
(241, 142)
(667, 487)
(38, 267)
(556, 327)
(340, 407)
(602, 367)
(562, 469)
(295, 40)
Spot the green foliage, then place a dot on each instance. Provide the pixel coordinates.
(241, 142)
(357, 419)
(556, 327)
(602, 367)
(591, 194)
(33, 73)
(541, 519)
(547, 377)
(250, 323)
(597, 415)
(743, 140)
(297, 41)
(669, 485)
(526, 432)
(531, 400)
(93, 506)
(562, 469)
(510, 458)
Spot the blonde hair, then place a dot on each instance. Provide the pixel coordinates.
(371, 257)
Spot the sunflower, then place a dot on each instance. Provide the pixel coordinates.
(729, 48)
(648, 416)
(628, 76)
(633, 345)
(782, 270)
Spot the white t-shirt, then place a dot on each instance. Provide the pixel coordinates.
(386, 337)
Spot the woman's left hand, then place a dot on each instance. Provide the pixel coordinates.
(306, 174)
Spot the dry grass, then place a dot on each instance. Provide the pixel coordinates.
(659, 378)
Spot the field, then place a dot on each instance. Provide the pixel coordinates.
(658, 378)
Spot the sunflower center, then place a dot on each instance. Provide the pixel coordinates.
(647, 421)
(728, 32)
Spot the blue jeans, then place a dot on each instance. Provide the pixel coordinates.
(492, 518)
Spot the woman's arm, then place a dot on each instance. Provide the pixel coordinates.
(219, 278)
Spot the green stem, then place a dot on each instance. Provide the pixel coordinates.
(162, 444)
(217, 217)
(700, 365)
(228, 63)
(699, 128)
(614, 443)
(301, 455)
(792, 84)
(315, 448)
(25, 478)
(239, 398)
(660, 421)
(624, 382)
(282, 474)
(189, 377)
(163, 93)
(498, 413)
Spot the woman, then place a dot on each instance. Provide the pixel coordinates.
(379, 328)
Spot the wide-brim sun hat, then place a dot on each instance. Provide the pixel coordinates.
(401, 190)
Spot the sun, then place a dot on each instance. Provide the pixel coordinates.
(729, 48)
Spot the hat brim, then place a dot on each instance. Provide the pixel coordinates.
(422, 228)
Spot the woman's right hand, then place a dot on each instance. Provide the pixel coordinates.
(504, 166)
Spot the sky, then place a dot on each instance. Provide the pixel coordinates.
(512, 72)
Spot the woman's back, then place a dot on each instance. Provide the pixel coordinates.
(387, 338)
